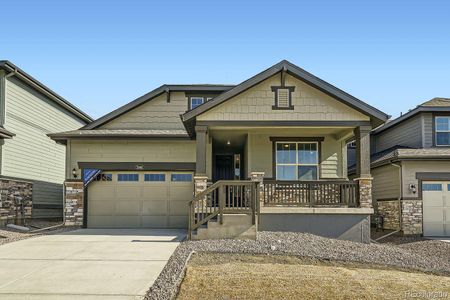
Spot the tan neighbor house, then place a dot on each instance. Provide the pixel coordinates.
(188, 156)
(411, 170)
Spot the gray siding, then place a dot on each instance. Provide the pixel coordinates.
(427, 130)
(386, 183)
(407, 133)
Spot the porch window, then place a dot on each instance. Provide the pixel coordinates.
(297, 161)
(442, 131)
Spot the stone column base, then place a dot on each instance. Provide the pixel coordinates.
(365, 191)
(412, 217)
(74, 205)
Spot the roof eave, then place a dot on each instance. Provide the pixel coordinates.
(11, 68)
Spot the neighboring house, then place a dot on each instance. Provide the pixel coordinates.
(411, 170)
(32, 165)
(284, 128)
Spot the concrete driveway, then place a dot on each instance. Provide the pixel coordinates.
(86, 264)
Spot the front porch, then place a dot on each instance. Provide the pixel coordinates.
(286, 179)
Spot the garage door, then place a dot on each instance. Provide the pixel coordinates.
(436, 208)
(139, 200)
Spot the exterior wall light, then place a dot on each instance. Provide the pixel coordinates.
(74, 173)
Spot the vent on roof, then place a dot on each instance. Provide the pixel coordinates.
(283, 97)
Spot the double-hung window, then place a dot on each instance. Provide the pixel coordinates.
(297, 160)
(442, 126)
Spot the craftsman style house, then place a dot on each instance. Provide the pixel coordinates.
(227, 160)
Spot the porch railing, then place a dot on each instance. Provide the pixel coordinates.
(224, 196)
(310, 193)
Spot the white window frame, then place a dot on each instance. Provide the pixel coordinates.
(436, 131)
(297, 164)
(196, 98)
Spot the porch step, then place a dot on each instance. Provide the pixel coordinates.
(235, 226)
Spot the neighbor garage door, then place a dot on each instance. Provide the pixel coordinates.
(139, 200)
(436, 208)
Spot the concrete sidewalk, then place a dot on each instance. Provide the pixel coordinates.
(86, 264)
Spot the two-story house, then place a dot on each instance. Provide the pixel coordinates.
(410, 165)
(32, 166)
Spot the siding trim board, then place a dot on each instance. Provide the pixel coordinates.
(138, 166)
(285, 123)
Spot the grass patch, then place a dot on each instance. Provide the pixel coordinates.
(243, 276)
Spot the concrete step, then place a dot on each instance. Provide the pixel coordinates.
(235, 226)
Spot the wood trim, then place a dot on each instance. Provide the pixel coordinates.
(132, 166)
(285, 123)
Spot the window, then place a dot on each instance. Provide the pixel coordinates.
(196, 101)
(181, 177)
(128, 177)
(103, 177)
(448, 187)
(442, 131)
(432, 187)
(297, 161)
(154, 177)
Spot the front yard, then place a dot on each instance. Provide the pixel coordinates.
(244, 276)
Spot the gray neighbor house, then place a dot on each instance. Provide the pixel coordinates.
(410, 165)
(31, 164)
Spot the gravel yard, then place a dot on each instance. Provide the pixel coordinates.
(246, 276)
(306, 245)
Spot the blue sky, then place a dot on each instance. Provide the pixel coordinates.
(102, 54)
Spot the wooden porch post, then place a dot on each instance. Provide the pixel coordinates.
(201, 138)
(364, 178)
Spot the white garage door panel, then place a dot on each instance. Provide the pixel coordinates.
(134, 204)
(436, 208)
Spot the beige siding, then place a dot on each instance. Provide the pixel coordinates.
(411, 167)
(386, 182)
(31, 116)
(130, 151)
(256, 104)
(260, 156)
(154, 114)
(408, 133)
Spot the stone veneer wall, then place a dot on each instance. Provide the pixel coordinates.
(390, 210)
(74, 206)
(365, 192)
(412, 217)
(16, 202)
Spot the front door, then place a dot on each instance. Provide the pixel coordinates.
(224, 169)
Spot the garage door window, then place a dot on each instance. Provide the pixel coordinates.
(432, 187)
(154, 177)
(181, 177)
(128, 177)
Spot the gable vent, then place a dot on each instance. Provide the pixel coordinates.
(283, 97)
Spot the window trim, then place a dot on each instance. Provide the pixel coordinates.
(436, 130)
(290, 90)
(297, 141)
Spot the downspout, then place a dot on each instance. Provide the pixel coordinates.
(399, 199)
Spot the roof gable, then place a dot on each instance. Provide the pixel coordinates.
(376, 115)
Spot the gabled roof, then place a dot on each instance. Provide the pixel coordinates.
(377, 116)
(433, 105)
(25, 77)
(153, 94)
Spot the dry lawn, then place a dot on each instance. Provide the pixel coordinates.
(242, 276)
